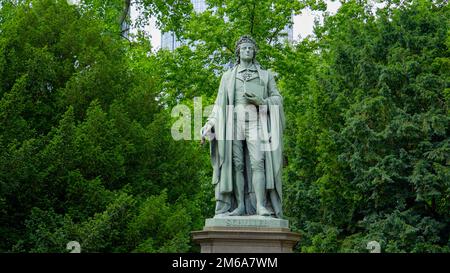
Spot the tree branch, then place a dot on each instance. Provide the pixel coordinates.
(276, 33)
(252, 18)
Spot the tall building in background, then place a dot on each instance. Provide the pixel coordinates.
(289, 30)
(169, 39)
(126, 26)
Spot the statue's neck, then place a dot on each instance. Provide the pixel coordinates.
(246, 63)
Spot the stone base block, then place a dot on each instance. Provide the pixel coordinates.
(246, 234)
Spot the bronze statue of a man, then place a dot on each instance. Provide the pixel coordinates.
(246, 151)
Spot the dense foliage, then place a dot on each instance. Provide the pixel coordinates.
(371, 137)
(86, 150)
(87, 155)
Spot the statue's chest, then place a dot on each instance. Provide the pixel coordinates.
(252, 85)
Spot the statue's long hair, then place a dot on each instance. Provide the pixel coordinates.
(245, 39)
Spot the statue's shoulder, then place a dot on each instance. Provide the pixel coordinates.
(261, 68)
(268, 72)
(227, 74)
(271, 74)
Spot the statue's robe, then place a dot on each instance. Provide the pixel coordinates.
(272, 124)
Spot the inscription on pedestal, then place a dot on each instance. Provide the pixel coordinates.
(246, 221)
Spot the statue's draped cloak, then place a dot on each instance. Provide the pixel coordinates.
(221, 145)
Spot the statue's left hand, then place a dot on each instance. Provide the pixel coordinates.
(254, 99)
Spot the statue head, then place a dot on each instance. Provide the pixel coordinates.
(245, 40)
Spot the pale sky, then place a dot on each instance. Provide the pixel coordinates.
(304, 23)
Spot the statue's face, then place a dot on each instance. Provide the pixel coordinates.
(246, 51)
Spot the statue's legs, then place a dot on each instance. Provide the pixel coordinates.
(259, 186)
(238, 165)
(257, 164)
(248, 131)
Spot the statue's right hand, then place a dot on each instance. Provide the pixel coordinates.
(206, 130)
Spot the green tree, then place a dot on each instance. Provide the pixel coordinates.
(84, 140)
(377, 129)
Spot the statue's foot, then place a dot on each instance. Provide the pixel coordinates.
(221, 215)
(262, 211)
(238, 211)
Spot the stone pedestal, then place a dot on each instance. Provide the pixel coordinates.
(246, 234)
